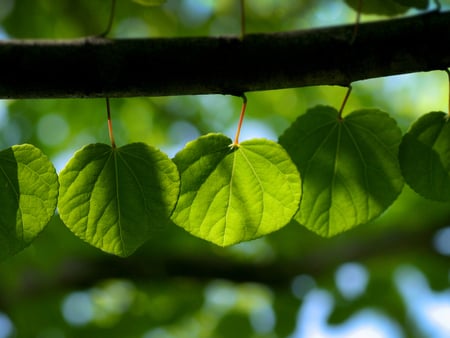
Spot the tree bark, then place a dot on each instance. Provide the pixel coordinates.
(97, 67)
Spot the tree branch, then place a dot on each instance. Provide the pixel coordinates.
(98, 67)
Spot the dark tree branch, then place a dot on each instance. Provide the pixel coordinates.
(97, 67)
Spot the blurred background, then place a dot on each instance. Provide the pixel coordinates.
(389, 278)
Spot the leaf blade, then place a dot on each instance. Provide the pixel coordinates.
(29, 196)
(424, 156)
(225, 197)
(114, 199)
(386, 7)
(349, 168)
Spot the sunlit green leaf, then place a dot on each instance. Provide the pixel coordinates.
(150, 2)
(234, 195)
(349, 167)
(114, 198)
(28, 195)
(424, 156)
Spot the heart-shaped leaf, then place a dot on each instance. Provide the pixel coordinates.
(113, 198)
(424, 156)
(28, 195)
(349, 167)
(229, 195)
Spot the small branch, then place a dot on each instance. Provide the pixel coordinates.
(357, 21)
(97, 67)
(112, 14)
(242, 14)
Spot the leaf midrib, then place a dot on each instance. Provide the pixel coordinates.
(115, 156)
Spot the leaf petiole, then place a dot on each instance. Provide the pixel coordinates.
(110, 128)
(349, 90)
(235, 143)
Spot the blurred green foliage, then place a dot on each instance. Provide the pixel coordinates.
(177, 285)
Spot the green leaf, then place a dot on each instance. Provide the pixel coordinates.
(419, 4)
(229, 195)
(424, 156)
(28, 196)
(349, 167)
(114, 198)
(150, 3)
(380, 7)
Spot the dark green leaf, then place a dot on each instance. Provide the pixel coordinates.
(150, 2)
(424, 156)
(229, 195)
(113, 198)
(349, 167)
(28, 196)
(419, 4)
(381, 7)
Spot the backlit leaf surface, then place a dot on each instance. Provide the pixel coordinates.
(114, 198)
(233, 195)
(424, 156)
(28, 196)
(349, 167)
